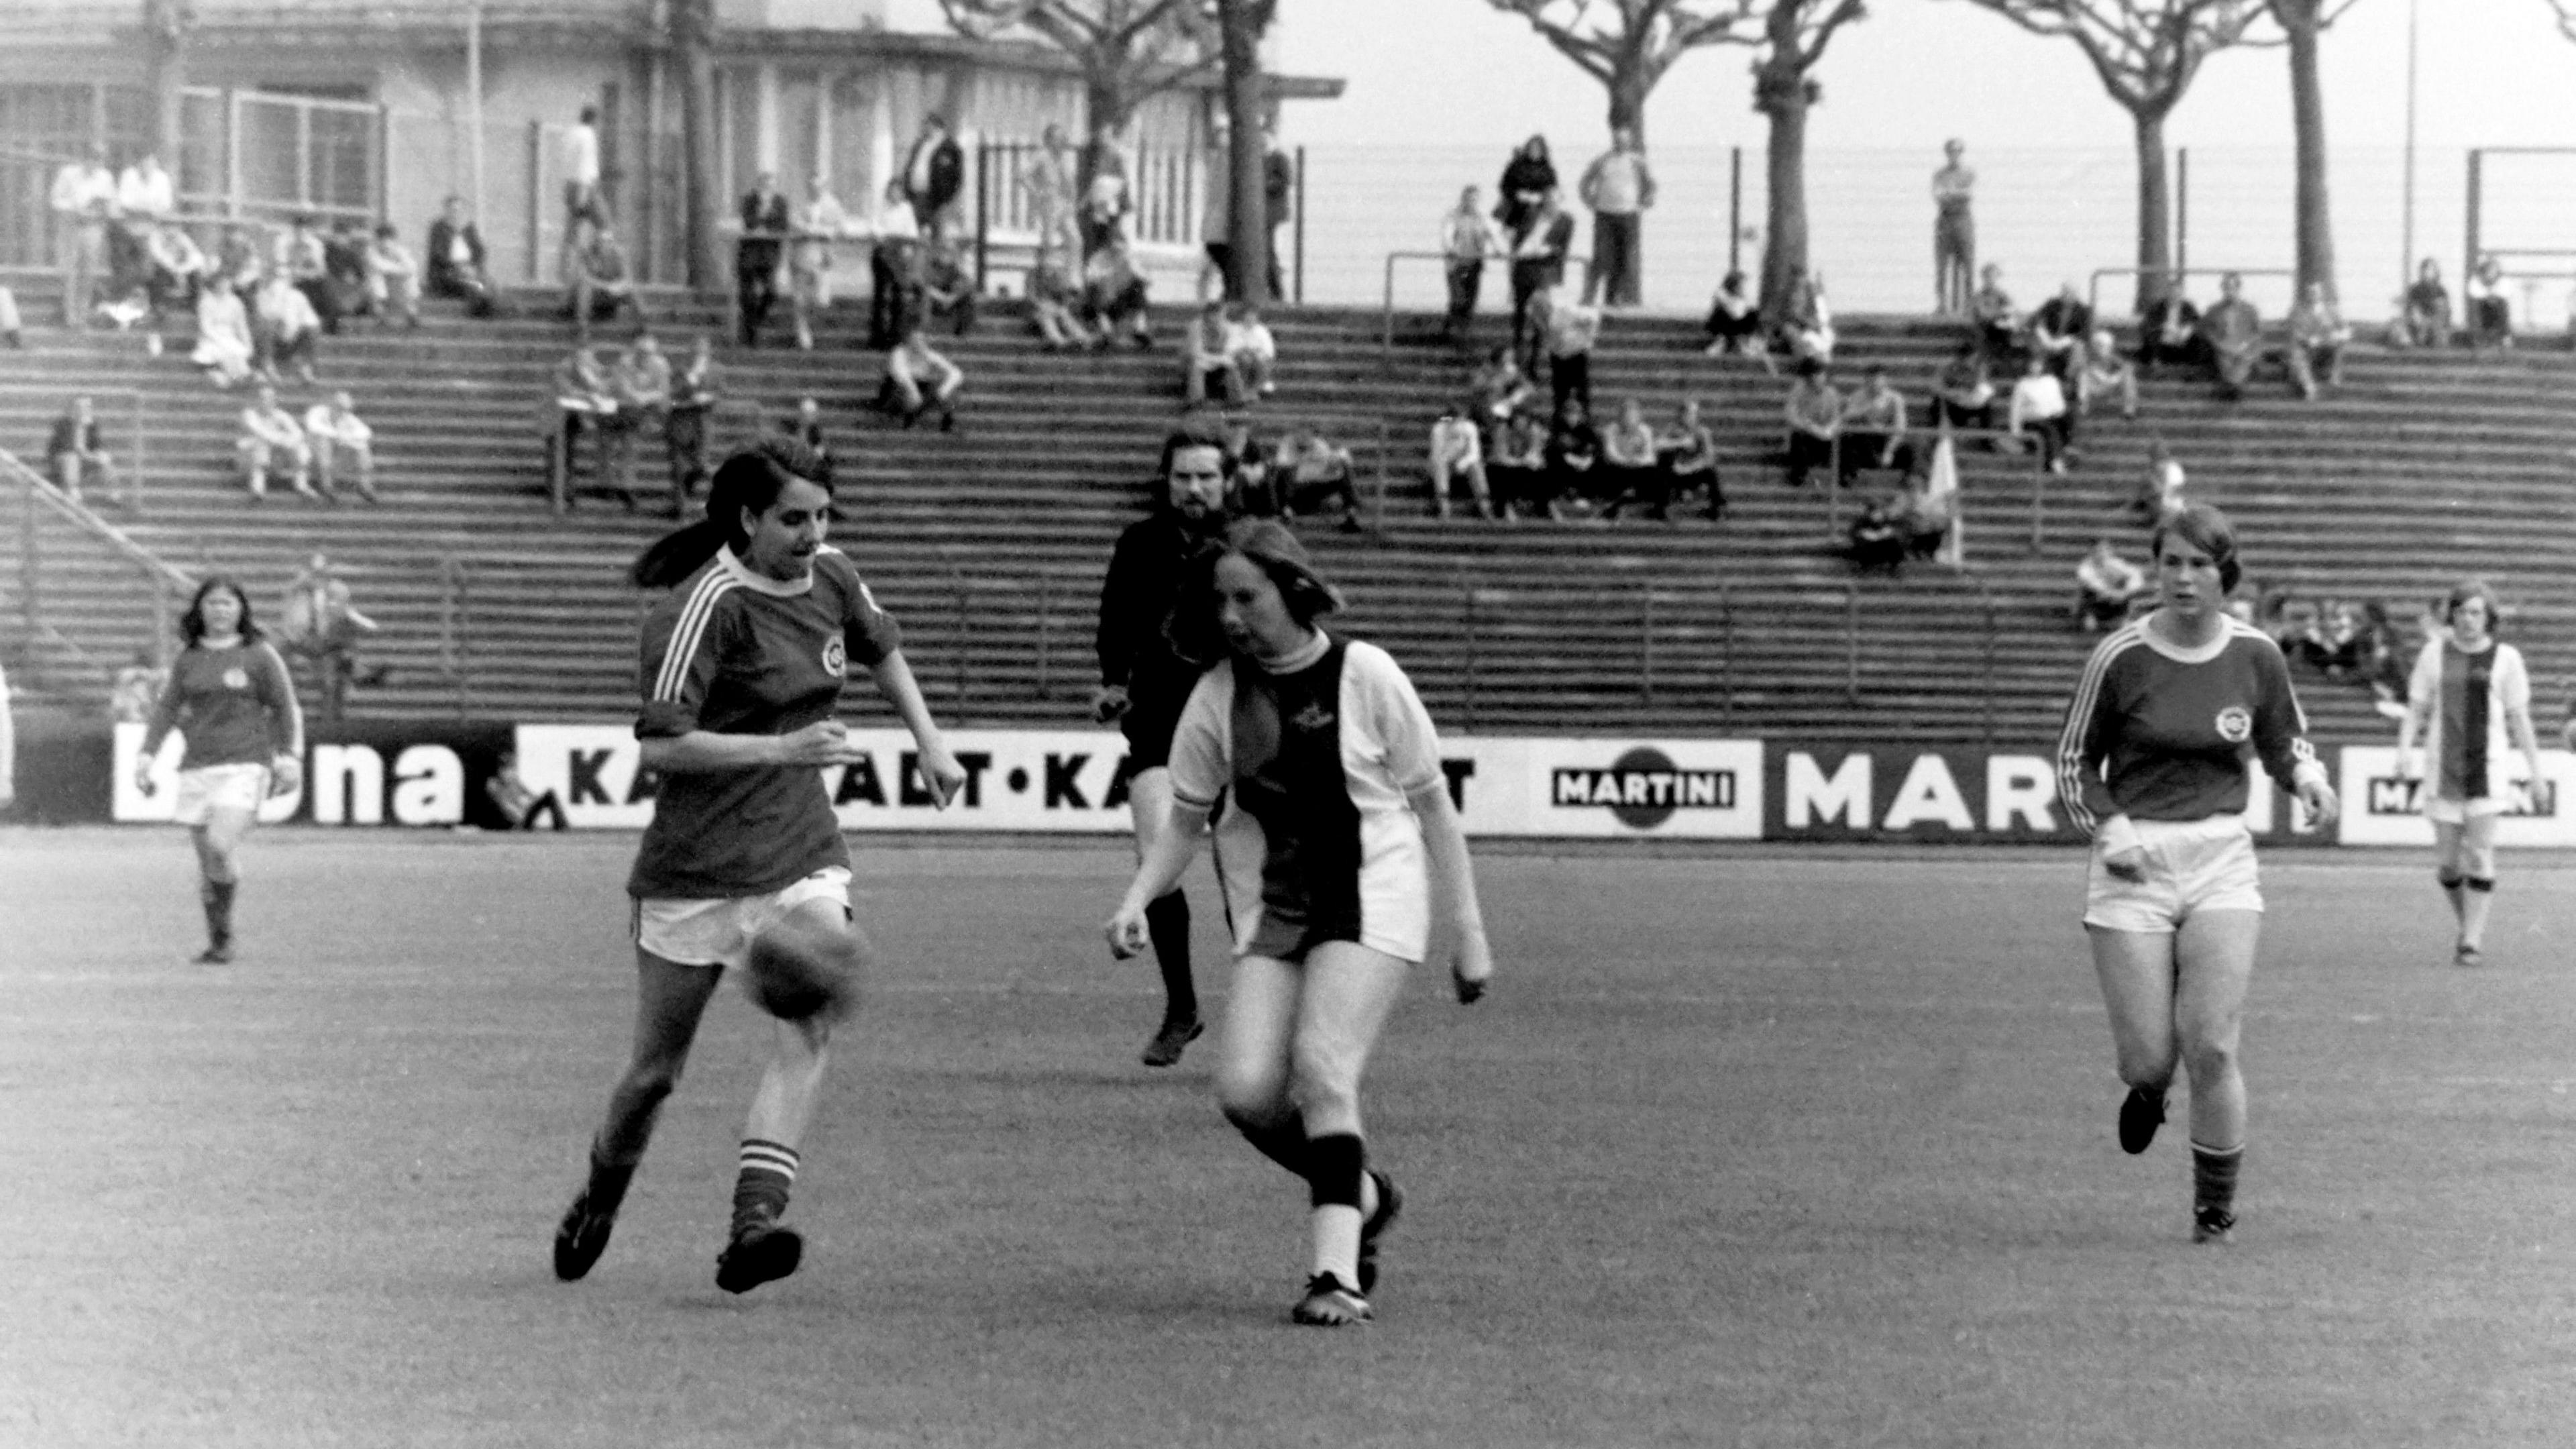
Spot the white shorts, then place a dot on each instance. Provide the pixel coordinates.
(2192, 865)
(719, 932)
(2445, 811)
(208, 788)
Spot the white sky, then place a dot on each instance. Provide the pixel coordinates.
(1434, 72)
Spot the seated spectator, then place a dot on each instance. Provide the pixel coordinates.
(1924, 518)
(319, 625)
(2318, 337)
(1204, 359)
(1807, 332)
(1320, 481)
(1052, 296)
(2345, 641)
(1573, 456)
(1113, 295)
(1541, 241)
(344, 269)
(2231, 338)
(2039, 410)
(1518, 469)
(1878, 535)
(2105, 583)
(1501, 389)
(2159, 494)
(135, 688)
(1631, 471)
(455, 261)
(344, 448)
(912, 362)
(271, 436)
(585, 401)
(1873, 428)
(947, 288)
(1814, 414)
(2169, 330)
(225, 348)
(1963, 394)
(2490, 317)
(284, 328)
(240, 257)
(305, 259)
(12, 326)
(806, 427)
(2424, 315)
(179, 268)
(521, 808)
(1997, 322)
(1688, 452)
(1572, 330)
(641, 381)
(599, 284)
(2058, 329)
(2102, 373)
(1254, 350)
(684, 423)
(1253, 491)
(75, 456)
(1458, 455)
(1735, 321)
(393, 279)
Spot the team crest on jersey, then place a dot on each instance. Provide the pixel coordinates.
(1313, 718)
(836, 656)
(2234, 724)
(236, 678)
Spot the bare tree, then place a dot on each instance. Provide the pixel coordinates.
(2302, 22)
(1627, 45)
(1128, 50)
(693, 32)
(1248, 231)
(2146, 52)
(1790, 42)
(2566, 12)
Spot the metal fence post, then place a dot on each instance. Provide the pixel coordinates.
(1300, 220)
(983, 211)
(1726, 636)
(1851, 641)
(1046, 631)
(1468, 587)
(1646, 644)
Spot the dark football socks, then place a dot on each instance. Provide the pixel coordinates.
(1167, 921)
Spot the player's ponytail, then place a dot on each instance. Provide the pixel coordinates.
(750, 480)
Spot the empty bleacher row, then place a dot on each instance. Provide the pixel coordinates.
(989, 543)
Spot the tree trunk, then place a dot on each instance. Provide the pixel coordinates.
(1781, 92)
(1247, 171)
(2155, 207)
(1105, 109)
(1628, 91)
(165, 42)
(695, 23)
(2299, 19)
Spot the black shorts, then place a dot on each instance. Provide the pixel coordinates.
(1149, 737)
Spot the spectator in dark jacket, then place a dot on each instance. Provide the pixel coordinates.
(1528, 178)
(933, 176)
(76, 454)
(455, 260)
(755, 259)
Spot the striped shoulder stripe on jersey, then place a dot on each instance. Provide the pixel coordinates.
(686, 635)
(2079, 717)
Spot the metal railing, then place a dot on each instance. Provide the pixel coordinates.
(53, 532)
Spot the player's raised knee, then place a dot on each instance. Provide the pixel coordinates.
(801, 969)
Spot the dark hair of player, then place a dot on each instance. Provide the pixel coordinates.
(1193, 629)
(2206, 529)
(1196, 432)
(2467, 589)
(750, 480)
(192, 624)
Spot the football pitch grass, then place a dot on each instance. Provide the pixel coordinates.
(1766, 1149)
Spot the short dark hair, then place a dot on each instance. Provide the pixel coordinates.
(2206, 529)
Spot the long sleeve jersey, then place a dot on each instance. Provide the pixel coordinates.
(2159, 733)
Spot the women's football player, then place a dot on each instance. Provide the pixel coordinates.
(2469, 696)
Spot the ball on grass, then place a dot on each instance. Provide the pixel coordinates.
(798, 970)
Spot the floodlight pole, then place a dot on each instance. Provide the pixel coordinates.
(2406, 259)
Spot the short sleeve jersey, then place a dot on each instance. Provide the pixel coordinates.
(2158, 733)
(2470, 695)
(234, 706)
(734, 652)
(1318, 841)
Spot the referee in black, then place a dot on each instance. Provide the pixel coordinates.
(1143, 684)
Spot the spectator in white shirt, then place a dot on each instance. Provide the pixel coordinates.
(179, 268)
(271, 436)
(2038, 408)
(582, 201)
(83, 199)
(1619, 189)
(2104, 585)
(1209, 358)
(343, 448)
(1457, 453)
(285, 327)
(144, 193)
(393, 278)
(225, 347)
(819, 223)
(1254, 351)
(1467, 238)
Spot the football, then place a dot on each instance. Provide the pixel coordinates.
(797, 971)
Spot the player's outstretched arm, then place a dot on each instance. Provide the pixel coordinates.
(1160, 871)
(1453, 885)
(938, 767)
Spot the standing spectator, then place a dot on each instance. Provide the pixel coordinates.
(1538, 260)
(2231, 336)
(344, 448)
(1963, 392)
(1205, 357)
(2426, 318)
(393, 279)
(1630, 471)
(145, 198)
(83, 198)
(2490, 317)
(75, 455)
(765, 224)
(1688, 451)
(684, 425)
(602, 283)
(2104, 373)
(1873, 428)
(269, 436)
(582, 199)
(1467, 238)
(226, 348)
(306, 260)
(1216, 223)
(819, 223)
(1254, 351)
(1735, 321)
(1048, 181)
(642, 380)
(1106, 198)
(2105, 583)
(585, 401)
(1954, 232)
(897, 237)
(2039, 410)
(1998, 324)
(2169, 331)
(1501, 390)
(1518, 471)
(319, 625)
(2318, 337)
(1814, 414)
(1279, 193)
(1572, 330)
(285, 327)
(933, 176)
(1457, 454)
(2058, 329)
(1620, 190)
(1528, 187)
(1113, 296)
(456, 261)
